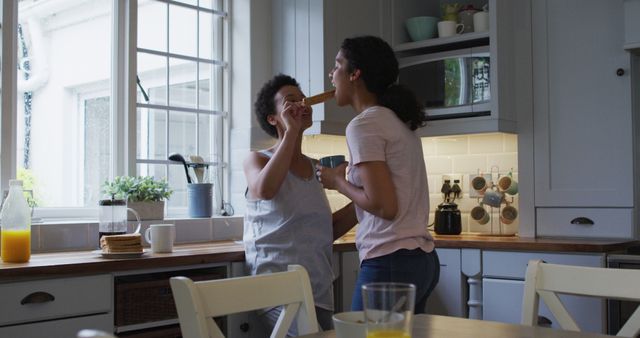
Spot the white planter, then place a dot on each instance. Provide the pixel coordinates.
(146, 210)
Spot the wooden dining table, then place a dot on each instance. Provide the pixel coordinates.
(430, 326)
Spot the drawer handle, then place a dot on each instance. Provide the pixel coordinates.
(37, 297)
(582, 221)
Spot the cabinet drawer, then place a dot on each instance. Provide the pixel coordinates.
(58, 328)
(54, 298)
(607, 222)
(513, 265)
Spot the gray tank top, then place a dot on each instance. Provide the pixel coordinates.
(295, 227)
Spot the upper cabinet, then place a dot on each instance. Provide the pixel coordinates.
(582, 120)
(631, 24)
(307, 35)
(505, 42)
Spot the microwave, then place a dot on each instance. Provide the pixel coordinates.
(452, 84)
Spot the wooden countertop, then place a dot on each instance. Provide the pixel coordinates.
(56, 264)
(486, 242)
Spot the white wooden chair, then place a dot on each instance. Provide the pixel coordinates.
(198, 302)
(545, 281)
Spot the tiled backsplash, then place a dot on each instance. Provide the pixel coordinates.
(70, 236)
(453, 156)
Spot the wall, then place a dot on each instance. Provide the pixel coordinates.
(453, 156)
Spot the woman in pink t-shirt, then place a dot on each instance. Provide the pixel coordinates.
(387, 179)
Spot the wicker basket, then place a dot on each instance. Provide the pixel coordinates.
(148, 298)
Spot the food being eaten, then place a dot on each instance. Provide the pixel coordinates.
(311, 100)
(121, 243)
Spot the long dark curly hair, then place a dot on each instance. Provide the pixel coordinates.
(379, 70)
(265, 106)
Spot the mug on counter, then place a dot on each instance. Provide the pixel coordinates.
(161, 237)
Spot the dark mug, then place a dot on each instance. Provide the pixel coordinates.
(332, 161)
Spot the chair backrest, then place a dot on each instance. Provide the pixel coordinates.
(198, 302)
(545, 281)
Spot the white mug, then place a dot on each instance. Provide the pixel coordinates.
(449, 28)
(481, 21)
(161, 237)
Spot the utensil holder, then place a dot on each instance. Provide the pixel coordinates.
(200, 199)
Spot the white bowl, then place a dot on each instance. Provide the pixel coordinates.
(350, 324)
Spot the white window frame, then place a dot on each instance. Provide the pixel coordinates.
(123, 97)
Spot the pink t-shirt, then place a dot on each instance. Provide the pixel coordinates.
(377, 134)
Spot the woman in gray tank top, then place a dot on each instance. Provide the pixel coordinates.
(288, 219)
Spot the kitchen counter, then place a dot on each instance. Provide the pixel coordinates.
(55, 264)
(48, 265)
(487, 242)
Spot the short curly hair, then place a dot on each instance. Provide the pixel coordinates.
(265, 105)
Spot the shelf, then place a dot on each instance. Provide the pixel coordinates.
(441, 41)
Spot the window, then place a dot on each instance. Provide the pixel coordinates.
(70, 125)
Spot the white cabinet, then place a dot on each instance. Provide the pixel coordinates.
(503, 286)
(447, 298)
(56, 307)
(631, 24)
(306, 37)
(508, 41)
(349, 269)
(582, 110)
(58, 328)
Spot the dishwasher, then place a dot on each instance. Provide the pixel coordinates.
(619, 311)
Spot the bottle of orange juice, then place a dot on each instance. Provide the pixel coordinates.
(15, 219)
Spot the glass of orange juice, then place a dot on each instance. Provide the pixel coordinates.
(388, 309)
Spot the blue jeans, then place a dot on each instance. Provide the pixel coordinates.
(403, 266)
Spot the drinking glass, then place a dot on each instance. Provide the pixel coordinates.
(388, 309)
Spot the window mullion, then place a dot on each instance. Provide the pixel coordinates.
(9, 93)
(130, 85)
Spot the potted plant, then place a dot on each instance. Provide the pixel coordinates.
(144, 194)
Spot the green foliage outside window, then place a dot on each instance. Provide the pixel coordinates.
(28, 184)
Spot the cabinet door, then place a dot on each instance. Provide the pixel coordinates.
(582, 104)
(349, 269)
(446, 299)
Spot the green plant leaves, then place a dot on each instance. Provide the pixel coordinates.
(137, 189)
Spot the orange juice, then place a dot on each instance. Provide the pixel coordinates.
(16, 245)
(388, 334)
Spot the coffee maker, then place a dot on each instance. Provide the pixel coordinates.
(447, 216)
(112, 217)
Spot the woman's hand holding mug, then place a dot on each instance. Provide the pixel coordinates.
(331, 177)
